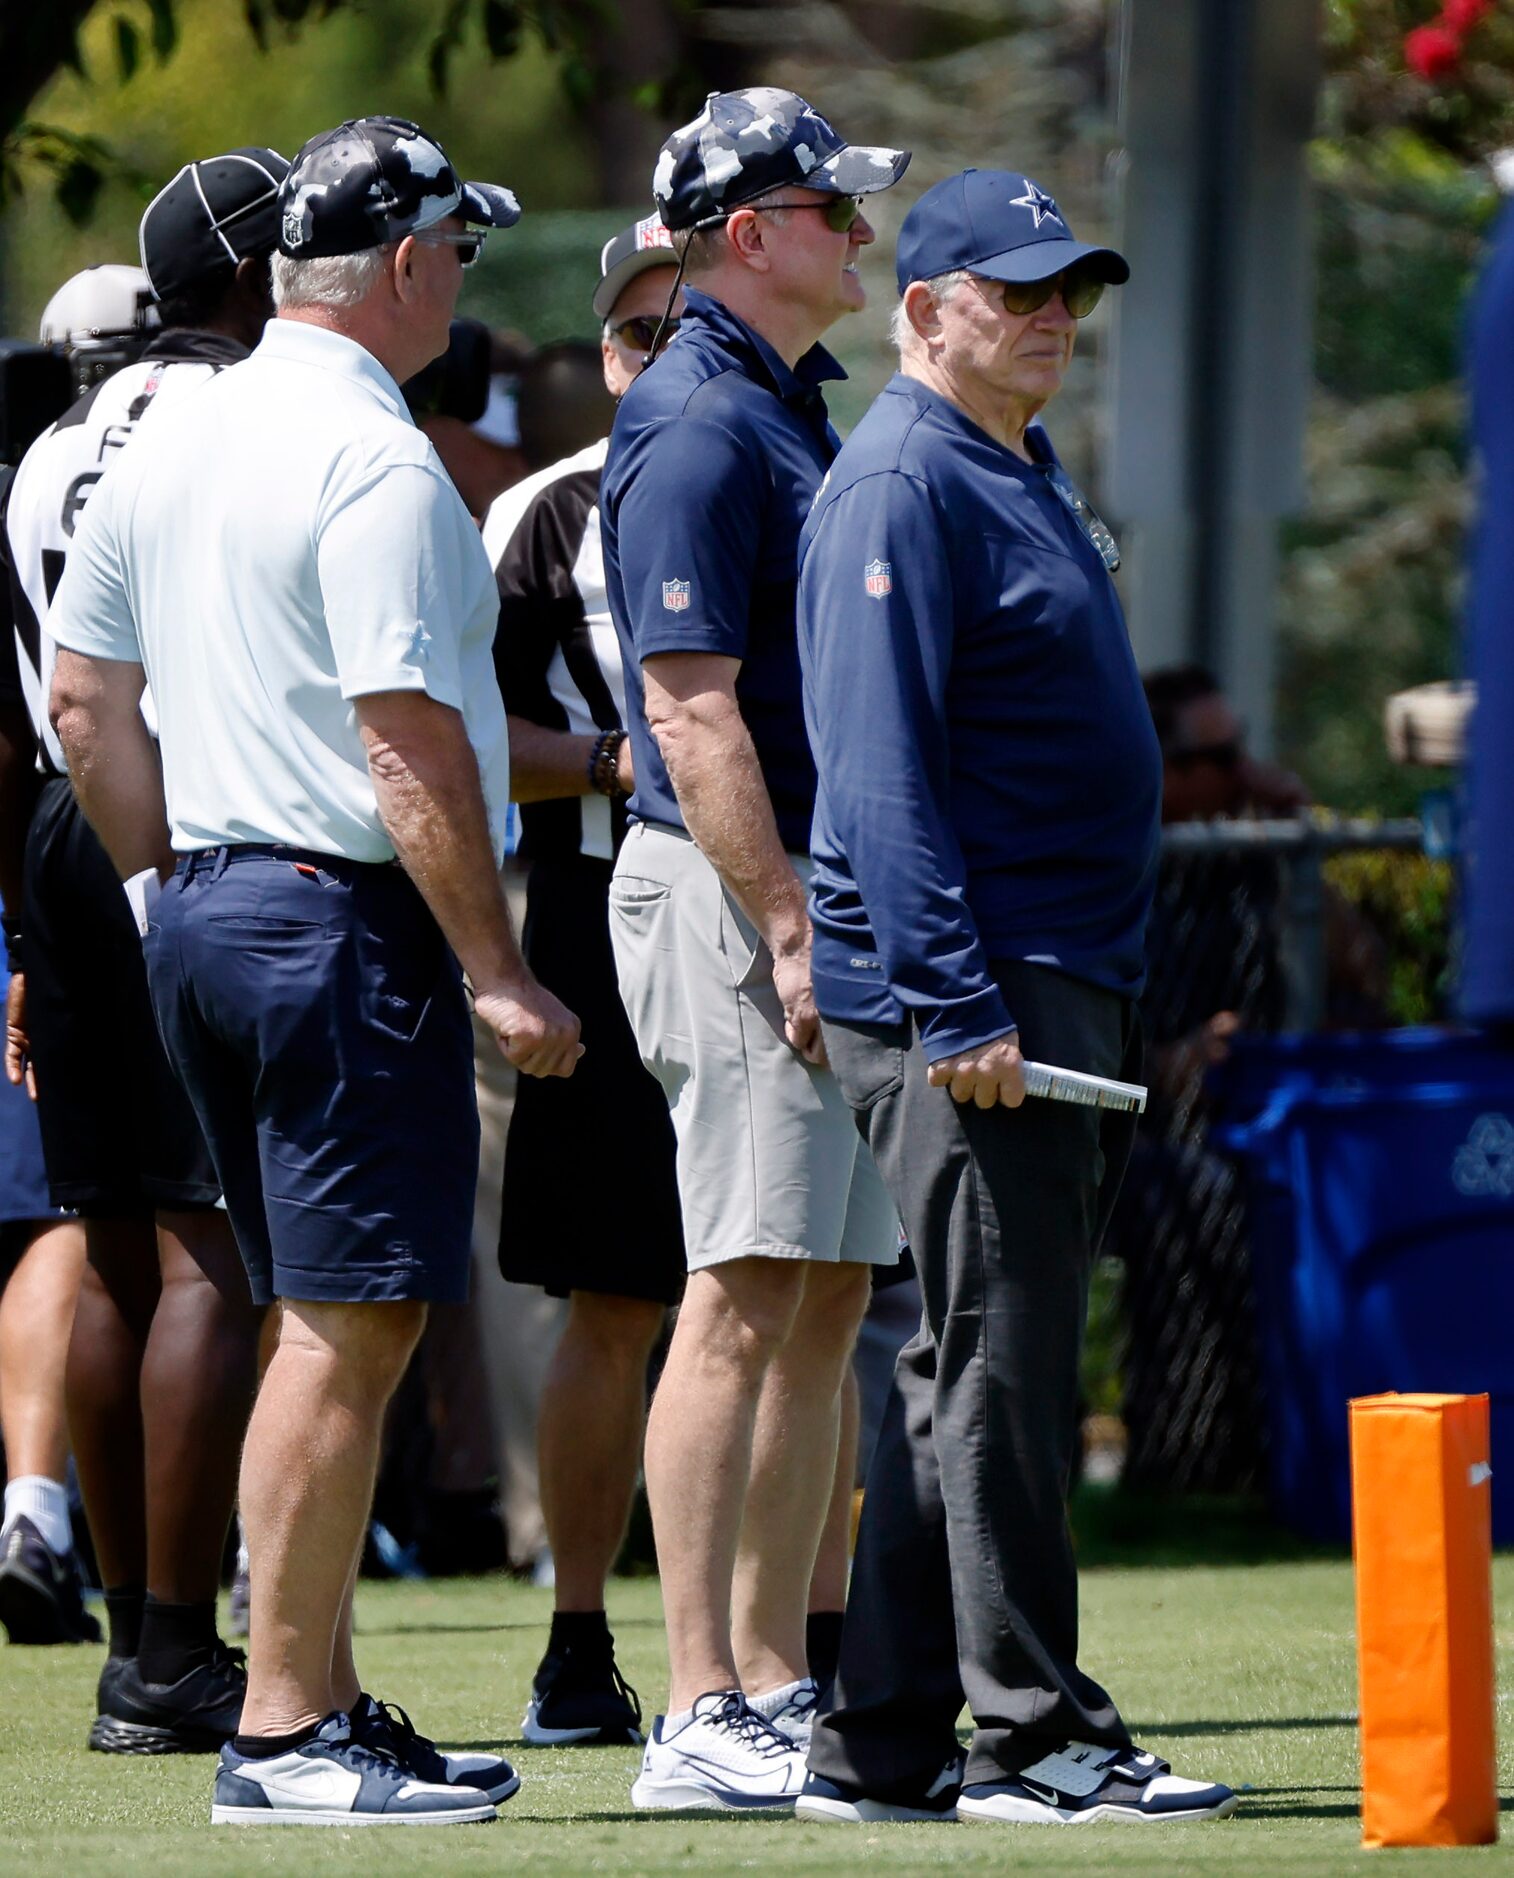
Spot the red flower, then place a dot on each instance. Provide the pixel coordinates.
(1432, 51)
(1460, 16)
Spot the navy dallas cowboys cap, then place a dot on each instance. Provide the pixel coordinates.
(744, 143)
(374, 180)
(996, 223)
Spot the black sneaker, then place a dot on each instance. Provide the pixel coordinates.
(1081, 1784)
(828, 1800)
(385, 1728)
(191, 1716)
(40, 1597)
(580, 1699)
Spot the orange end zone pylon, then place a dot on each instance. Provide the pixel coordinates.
(1422, 1535)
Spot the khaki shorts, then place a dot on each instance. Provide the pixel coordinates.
(770, 1164)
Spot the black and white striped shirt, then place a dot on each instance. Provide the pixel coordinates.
(556, 653)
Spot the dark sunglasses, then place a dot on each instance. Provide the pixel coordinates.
(469, 246)
(1081, 292)
(1086, 516)
(840, 212)
(1226, 756)
(640, 331)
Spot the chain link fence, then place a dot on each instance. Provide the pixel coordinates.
(1258, 927)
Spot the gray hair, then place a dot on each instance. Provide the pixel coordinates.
(700, 249)
(943, 287)
(329, 280)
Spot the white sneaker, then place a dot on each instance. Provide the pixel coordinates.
(1081, 1784)
(791, 1709)
(725, 1758)
(332, 1781)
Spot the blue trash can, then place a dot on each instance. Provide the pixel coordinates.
(1381, 1176)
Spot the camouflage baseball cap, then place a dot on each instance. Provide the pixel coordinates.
(744, 143)
(377, 179)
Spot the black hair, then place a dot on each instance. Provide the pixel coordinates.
(1169, 690)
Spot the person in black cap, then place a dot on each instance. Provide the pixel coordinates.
(163, 1353)
(285, 560)
(985, 851)
(716, 454)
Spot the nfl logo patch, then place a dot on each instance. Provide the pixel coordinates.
(878, 578)
(675, 595)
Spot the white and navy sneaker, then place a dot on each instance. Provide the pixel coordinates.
(332, 1781)
(1081, 1784)
(387, 1729)
(828, 1801)
(791, 1709)
(724, 1758)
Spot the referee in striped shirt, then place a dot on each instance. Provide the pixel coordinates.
(615, 1250)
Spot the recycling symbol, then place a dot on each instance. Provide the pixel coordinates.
(1484, 1162)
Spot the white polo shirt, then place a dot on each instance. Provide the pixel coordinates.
(278, 545)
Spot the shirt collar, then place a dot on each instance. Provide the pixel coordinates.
(731, 333)
(1036, 440)
(333, 352)
(187, 345)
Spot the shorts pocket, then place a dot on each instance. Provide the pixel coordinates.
(635, 890)
(868, 1065)
(401, 965)
(746, 953)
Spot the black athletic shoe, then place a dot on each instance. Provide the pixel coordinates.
(40, 1598)
(191, 1716)
(385, 1728)
(580, 1699)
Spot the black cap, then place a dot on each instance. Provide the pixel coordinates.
(644, 244)
(744, 143)
(996, 223)
(214, 213)
(378, 179)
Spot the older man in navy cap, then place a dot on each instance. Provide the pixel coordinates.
(985, 841)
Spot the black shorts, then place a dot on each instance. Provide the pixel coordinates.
(119, 1137)
(591, 1198)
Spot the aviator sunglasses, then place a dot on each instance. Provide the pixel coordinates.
(469, 246)
(1081, 292)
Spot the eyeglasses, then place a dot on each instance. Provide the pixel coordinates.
(840, 212)
(469, 246)
(640, 332)
(1081, 292)
(1086, 516)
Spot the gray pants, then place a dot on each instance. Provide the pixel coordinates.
(964, 1582)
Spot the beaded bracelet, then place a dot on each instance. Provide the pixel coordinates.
(604, 762)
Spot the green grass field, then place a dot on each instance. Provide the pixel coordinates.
(1242, 1672)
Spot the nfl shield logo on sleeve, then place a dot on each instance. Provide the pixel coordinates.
(878, 578)
(675, 595)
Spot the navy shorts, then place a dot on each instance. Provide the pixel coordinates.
(317, 1017)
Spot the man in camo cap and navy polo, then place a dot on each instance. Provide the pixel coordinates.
(291, 568)
(716, 454)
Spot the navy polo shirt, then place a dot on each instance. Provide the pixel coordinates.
(990, 782)
(717, 451)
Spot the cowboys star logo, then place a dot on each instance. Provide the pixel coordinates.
(1041, 205)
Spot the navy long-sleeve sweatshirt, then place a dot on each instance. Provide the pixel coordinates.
(989, 779)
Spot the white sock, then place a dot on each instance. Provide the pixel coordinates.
(45, 1504)
(769, 1703)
